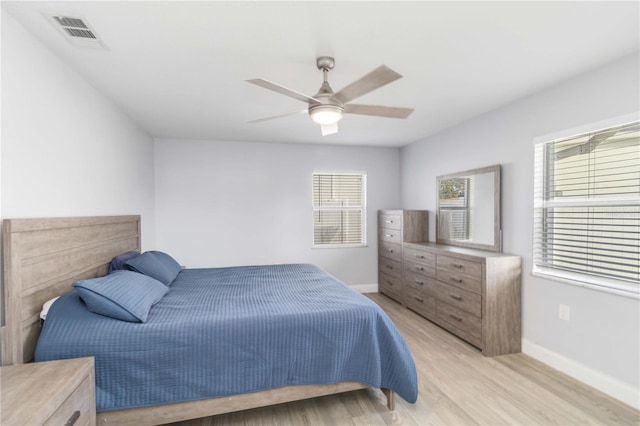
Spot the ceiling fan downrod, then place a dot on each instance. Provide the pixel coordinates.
(325, 64)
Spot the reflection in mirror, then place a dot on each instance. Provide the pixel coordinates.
(469, 209)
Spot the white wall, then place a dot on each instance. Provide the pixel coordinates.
(602, 339)
(66, 149)
(235, 203)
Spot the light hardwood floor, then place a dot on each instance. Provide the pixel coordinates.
(457, 386)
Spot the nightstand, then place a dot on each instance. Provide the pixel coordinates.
(48, 393)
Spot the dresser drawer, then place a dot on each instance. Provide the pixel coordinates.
(459, 266)
(77, 409)
(457, 279)
(420, 302)
(460, 319)
(390, 267)
(390, 221)
(419, 268)
(391, 251)
(419, 283)
(388, 284)
(419, 256)
(461, 299)
(390, 235)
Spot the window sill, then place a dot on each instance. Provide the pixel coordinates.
(339, 246)
(596, 284)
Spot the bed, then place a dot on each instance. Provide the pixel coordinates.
(44, 257)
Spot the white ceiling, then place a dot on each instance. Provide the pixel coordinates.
(178, 68)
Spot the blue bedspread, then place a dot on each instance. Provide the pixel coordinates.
(228, 331)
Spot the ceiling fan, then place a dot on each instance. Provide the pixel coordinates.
(326, 107)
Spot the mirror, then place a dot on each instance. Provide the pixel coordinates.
(469, 209)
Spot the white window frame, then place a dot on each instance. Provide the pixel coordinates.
(362, 207)
(592, 282)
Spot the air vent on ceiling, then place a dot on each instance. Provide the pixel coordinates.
(77, 31)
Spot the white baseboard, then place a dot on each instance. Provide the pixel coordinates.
(602, 382)
(365, 288)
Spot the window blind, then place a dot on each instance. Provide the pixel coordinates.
(587, 208)
(339, 209)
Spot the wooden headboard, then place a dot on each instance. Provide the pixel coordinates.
(43, 257)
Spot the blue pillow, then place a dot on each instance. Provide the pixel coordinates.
(123, 295)
(117, 263)
(156, 264)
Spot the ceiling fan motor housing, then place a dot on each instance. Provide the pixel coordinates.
(325, 63)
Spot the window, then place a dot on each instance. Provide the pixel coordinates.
(587, 208)
(339, 209)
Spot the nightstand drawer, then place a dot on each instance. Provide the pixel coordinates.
(49, 393)
(76, 410)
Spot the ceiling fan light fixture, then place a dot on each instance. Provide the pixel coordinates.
(326, 114)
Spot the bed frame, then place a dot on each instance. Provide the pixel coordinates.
(43, 257)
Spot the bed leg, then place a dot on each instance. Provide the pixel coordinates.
(391, 404)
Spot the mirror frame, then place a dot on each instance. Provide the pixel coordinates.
(497, 232)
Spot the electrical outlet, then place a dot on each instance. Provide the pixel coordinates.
(564, 312)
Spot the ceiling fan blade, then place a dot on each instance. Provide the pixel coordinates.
(282, 90)
(378, 110)
(329, 129)
(375, 79)
(259, 120)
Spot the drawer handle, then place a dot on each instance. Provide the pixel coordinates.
(73, 419)
(419, 299)
(388, 235)
(390, 250)
(389, 266)
(419, 256)
(455, 317)
(390, 283)
(419, 268)
(455, 296)
(456, 265)
(456, 280)
(419, 282)
(388, 221)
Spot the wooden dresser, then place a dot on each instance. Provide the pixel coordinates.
(48, 393)
(396, 227)
(474, 294)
